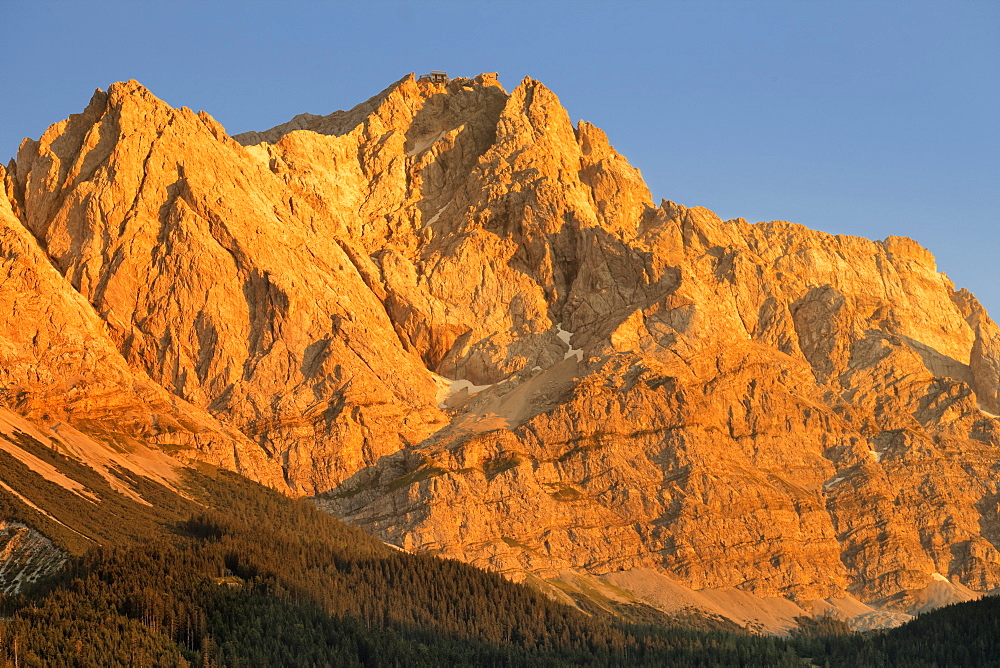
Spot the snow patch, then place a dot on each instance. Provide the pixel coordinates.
(565, 337)
(437, 215)
(447, 388)
(457, 386)
(877, 456)
(832, 483)
(426, 143)
(938, 576)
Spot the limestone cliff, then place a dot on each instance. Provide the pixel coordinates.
(461, 321)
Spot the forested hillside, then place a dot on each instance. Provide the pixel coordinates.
(963, 634)
(254, 579)
(251, 578)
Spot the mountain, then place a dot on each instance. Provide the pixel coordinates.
(220, 571)
(459, 321)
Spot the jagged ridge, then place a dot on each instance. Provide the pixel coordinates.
(727, 405)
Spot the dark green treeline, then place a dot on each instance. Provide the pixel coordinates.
(251, 578)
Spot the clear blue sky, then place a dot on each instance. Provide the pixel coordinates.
(869, 118)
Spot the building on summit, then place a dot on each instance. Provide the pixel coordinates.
(435, 76)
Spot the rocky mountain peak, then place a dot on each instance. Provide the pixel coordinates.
(461, 321)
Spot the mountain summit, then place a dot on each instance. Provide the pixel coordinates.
(460, 321)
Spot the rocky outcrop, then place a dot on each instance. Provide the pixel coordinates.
(59, 363)
(216, 284)
(804, 449)
(26, 556)
(460, 320)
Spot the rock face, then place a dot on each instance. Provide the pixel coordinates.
(462, 322)
(26, 556)
(59, 363)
